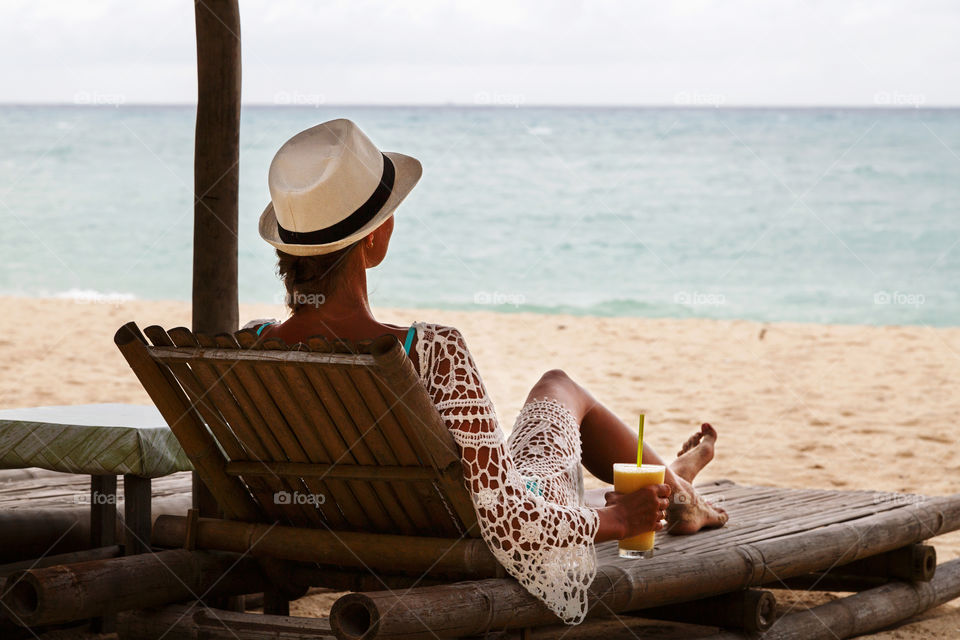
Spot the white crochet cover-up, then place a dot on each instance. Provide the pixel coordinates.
(528, 492)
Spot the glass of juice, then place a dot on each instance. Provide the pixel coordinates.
(627, 478)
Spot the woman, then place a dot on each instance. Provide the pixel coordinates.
(333, 195)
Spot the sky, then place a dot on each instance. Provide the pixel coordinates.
(495, 52)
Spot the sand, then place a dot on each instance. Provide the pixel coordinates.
(825, 406)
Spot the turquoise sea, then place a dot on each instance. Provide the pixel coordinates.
(812, 215)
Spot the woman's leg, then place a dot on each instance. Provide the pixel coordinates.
(607, 440)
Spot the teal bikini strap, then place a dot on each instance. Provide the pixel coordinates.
(409, 340)
(264, 326)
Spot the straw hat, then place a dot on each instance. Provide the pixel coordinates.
(330, 186)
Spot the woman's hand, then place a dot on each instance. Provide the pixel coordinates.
(630, 514)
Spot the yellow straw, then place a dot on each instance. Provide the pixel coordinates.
(640, 443)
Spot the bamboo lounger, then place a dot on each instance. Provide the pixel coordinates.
(333, 455)
(335, 449)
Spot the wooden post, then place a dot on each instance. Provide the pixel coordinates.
(103, 531)
(103, 510)
(216, 167)
(136, 514)
(216, 174)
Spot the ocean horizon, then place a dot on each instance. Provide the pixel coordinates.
(845, 215)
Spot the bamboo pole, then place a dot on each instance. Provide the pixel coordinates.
(216, 171)
(749, 609)
(169, 622)
(499, 604)
(30, 533)
(63, 593)
(380, 552)
(97, 553)
(912, 563)
(867, 611)
(216, 180)
(193, 620)
(253, 626)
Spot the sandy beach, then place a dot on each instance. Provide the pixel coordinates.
(803, 405)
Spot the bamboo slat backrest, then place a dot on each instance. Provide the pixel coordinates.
(335, 435)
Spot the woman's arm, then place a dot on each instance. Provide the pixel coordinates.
(630, 514)
(611, 525)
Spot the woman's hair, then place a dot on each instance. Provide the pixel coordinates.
(309, 279)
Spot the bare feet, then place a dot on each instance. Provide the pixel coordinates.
(696, 452)
(689, 512)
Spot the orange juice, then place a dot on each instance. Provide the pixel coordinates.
(627, 478)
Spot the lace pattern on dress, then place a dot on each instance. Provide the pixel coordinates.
(545, 445)
(528, 494)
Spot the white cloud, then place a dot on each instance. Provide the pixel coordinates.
(438, 51)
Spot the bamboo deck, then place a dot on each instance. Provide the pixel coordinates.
(760, 513)
(774, 534)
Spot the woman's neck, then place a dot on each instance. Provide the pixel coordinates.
(343, 313)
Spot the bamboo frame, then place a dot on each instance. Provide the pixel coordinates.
(349, 421)
(500, 604)
(420, 555)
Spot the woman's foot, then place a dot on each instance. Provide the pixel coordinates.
(696, 452)
(689, 512)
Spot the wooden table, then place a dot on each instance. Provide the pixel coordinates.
(104, 441)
